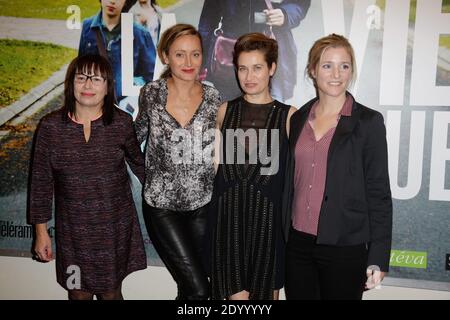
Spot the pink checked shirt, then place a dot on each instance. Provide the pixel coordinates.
(310, 172)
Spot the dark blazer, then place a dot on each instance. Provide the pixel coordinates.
(357, 203)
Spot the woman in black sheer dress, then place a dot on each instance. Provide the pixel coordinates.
(247, 258)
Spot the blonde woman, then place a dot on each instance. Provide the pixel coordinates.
(177, 193)
(338, 198)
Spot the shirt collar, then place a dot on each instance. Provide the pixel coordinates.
(97, 22)
(346, 109)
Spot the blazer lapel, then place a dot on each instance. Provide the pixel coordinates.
(298, 122)
(345, 127)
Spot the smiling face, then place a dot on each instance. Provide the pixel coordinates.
(253, 72)
(89, 92)
(112, 8)
(333, 73)
(185, 57)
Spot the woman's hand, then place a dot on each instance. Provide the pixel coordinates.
(43, 245)
(374, 277)
(275, 17)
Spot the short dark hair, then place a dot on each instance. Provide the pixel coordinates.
(256, 41)
(86, 63)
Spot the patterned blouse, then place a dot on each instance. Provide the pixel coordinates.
(178, 175)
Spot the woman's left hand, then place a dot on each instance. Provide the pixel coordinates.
(275, 17)
(374, 278)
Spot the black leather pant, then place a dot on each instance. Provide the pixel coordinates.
(178, 237)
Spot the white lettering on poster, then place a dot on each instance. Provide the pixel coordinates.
(73, 22)
(415, 159)
(393, 59)
(430, 23)
(440, 154)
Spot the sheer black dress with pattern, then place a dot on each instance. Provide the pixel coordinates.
(247, 245)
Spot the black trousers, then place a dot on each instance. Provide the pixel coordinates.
(178, 237)
(322, 272)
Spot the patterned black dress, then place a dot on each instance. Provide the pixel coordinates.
(247, 245)
(97, 228)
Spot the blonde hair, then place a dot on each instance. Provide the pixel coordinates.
(331, 41)
(168, 38)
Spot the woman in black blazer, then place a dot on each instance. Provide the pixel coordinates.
(337, 205)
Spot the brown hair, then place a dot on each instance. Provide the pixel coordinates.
(331, 41)
(256, 41)
(86, 63)
(168, 38)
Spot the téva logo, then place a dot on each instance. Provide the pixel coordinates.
(408, 259)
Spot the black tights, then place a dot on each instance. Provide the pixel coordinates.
(84, 295)
(178, 237)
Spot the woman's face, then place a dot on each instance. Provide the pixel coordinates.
(112, 8)
(90, 89)
(185, 57)
(253, 72)
(333, 73)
